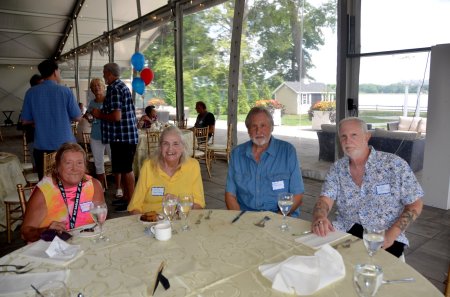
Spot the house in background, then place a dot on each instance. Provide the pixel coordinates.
(297, 97)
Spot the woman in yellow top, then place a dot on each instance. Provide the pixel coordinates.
(169, 170)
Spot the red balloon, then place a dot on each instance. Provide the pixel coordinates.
(147, 75)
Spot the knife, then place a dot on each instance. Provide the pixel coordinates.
(238, 216)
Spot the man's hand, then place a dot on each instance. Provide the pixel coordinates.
(320, 224)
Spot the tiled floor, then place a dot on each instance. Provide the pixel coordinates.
(429, 235)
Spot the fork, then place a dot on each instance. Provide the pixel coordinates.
(263, 221)
(208, 215)
(199, 220)
(15, 266)
(16, 271)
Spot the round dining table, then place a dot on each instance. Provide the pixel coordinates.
(214, 258)
(10, 175)
(142, 149)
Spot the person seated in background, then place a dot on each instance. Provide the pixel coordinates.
(169, 170)
(83, 126)
(370, 188)
(204, 118)
(148, 118)
(262, 168)
(83, 109)
(61, 201)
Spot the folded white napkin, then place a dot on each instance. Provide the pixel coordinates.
(20, 283)
(59, 249)
(304, 275)
(57, 252)
(314, 241)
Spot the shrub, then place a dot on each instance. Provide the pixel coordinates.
(156, 102)
(270, 104)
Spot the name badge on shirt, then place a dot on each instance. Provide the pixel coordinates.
(157, 191)
(383, 189)
(278, 185)
(85, 206)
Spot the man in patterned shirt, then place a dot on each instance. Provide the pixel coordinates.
(119, 129)
(369, 188)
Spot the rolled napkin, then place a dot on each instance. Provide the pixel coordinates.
(304, 275)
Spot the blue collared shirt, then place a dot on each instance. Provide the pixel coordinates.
(51, 107)
(257, 184)
(118, 96)
(388, 185)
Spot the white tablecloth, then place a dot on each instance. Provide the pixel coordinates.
(215, 258)
(142, 149)
(10, 175)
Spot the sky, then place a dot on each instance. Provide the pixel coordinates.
(405, 25)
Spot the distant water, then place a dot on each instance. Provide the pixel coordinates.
(392, 100)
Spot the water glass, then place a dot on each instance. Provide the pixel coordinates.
(170, 204)
(53, 288)
(285, 202)
(373, 237)
(99, 211)
(367, 278)
(185, 204)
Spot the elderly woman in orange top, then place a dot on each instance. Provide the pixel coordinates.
(61, 202)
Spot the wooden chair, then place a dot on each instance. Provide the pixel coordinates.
(447, 285)
(180, 124)
(152, 141)
(1, 136)
(221, 151)
(49, 163)
(15, 206)
(200, 147)
(32, 178)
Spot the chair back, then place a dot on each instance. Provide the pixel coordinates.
(201, 138)
(49, 162)
(26, 151)
(181, 124)
(152, 141)
(24, 195)
(86, 142)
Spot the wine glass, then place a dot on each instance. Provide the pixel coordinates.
(285, 201)
(367, 279)
(184, 206)
(99, 211)
(170, 203)
(373, 237)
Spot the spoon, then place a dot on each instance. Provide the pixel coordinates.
(397, 281)
(208, 215)
(199, 220)
(263, 221)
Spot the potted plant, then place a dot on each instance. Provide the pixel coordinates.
(275, 108)
(322, 112)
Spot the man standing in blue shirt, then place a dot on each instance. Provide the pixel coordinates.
(51, 107)
(119, 129)
(262, 168)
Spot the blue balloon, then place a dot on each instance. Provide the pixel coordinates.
(138, 61)
(138, 85)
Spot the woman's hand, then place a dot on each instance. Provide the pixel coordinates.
(58, 226)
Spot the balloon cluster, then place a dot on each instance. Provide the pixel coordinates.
(146, 75)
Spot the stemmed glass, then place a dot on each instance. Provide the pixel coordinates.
(184, 206)
(170, 203)
(99, 211)
(285, 201)
(373, 237)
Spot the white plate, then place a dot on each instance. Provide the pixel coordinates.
(78, 232)
(160, 218)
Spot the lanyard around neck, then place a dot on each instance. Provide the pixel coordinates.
(73, 217)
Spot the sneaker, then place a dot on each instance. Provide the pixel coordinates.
(121, 208)
(119, 202)
(119, 193)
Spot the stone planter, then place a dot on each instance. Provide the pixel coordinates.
(319, 118)
(276, 114)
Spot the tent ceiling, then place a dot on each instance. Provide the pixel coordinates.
(30, 31)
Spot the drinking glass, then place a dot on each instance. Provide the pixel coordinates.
(170, 203)
(53, 288)
(367, 278)
(285, 201)
(99, 211)
(184, 207)
(373, 237)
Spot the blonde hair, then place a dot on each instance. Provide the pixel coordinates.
(99, 80)
(67, 147)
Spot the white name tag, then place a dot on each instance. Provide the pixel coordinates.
(85, 206)
(278, 185)
(157, 191)
(384, 189)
